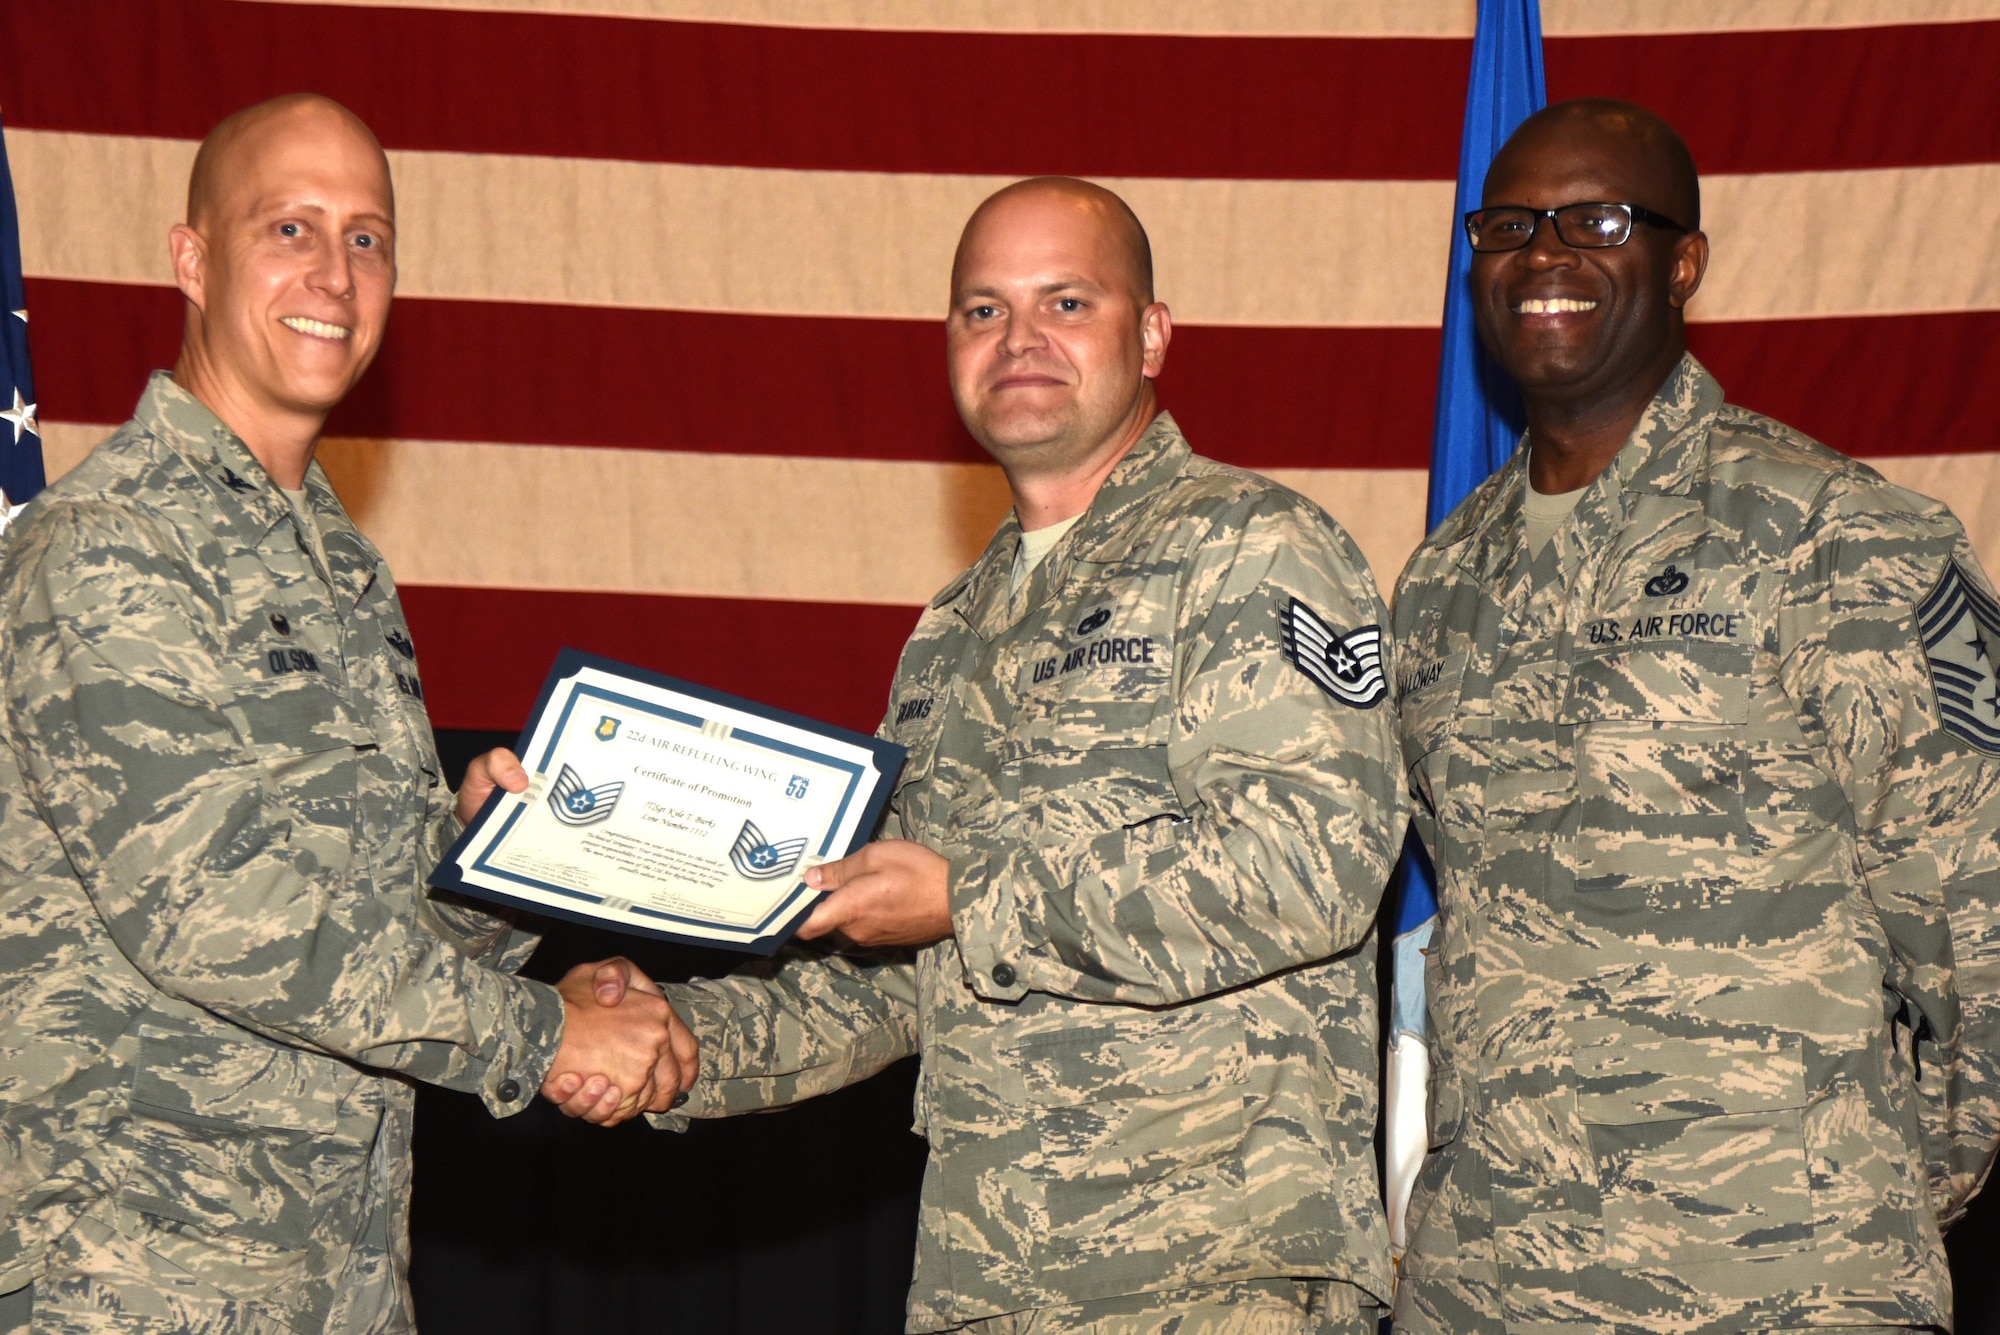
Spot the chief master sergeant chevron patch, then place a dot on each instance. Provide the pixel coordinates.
(1961, 628)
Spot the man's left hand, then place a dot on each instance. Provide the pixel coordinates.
(891, 893)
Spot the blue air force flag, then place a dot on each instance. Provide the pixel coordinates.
(20, 434)
(758, 859)
(1347, 666)
(1961, 630)
(1478, 425)
(576, 803)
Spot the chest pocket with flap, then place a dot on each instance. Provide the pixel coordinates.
(1660, 757)
(311, 745)
(1085, 751)
(1426, 712)
(1089, 770)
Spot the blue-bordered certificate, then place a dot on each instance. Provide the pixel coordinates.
(669, 810)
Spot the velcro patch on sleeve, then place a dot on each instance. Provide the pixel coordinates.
(1347, 665)
(1961, 629)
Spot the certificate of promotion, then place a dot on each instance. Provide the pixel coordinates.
(668, 810)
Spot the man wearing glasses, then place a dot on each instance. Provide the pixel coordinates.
(1700, 717)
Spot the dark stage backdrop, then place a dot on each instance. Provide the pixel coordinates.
(785, 1223)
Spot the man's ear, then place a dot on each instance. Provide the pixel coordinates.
(1156, 330)
(1690, 263)
(190, 256)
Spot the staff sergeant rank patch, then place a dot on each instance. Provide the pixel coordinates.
(576, 803)
(1347, 667)
(760, 859)
(1961, 630)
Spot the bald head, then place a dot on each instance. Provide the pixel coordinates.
(288, 263)
(1120, 231)
(225, 164)
(1053, 338)
(1652, 154)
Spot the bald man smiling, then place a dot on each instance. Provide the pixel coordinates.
(1121, 907)
(219, 970)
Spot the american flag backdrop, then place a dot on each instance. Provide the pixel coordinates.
(20, 436)
(665, 378)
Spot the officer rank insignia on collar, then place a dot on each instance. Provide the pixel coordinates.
(1347, 666)
(236, 483)
(1961, 630)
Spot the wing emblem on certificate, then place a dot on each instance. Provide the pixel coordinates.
(666, 809)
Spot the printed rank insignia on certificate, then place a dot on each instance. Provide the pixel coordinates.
(669, 810)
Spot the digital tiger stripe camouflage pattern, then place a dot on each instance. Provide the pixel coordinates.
(1715, 993)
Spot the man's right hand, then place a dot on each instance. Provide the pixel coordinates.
(595, 1094)
(619, 1054)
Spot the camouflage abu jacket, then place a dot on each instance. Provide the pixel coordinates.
(218, 800)
(1715, 990)
(1148, 1056)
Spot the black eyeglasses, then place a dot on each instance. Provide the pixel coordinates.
(1590, 226)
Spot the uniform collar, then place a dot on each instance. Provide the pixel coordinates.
(1666, 452)
(246, 496)
(981, 593)
(1667, 449)
(1158, 457)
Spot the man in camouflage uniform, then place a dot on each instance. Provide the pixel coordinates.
(1700, 717)
(1150, 804)
(219, 798)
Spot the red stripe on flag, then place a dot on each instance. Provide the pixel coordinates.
(875, 389)
(746, 384)
(484, 652)
(1011, 104)
(1804, 100)
(728, 93)
(1874, 388)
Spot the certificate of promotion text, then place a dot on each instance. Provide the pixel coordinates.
(669, 810)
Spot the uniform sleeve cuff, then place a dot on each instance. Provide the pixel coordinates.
(531, 1032)
(987, 922)
(708, 1018)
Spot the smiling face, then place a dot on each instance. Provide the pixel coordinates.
(288, 261)
(1053, 339)
(1588, 325)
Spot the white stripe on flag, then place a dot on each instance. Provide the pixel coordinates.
(827, 530)
(1272, 18)
(878, 244)
(717, 525)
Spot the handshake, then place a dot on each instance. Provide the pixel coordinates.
(624, 1050)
